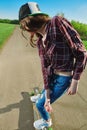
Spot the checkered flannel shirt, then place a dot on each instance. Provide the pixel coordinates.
(63, 50)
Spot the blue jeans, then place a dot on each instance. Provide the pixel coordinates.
(58, 86)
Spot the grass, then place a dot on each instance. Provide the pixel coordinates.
(5, 31)
(85, 43)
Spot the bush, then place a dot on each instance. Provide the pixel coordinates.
(81, 29)
(9, 21)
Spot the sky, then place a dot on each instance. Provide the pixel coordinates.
(72, 9)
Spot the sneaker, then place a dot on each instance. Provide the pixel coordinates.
(41, 123)
(34, 98)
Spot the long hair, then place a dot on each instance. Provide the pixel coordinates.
(33, 24)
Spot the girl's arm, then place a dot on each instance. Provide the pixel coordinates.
(47, 102)
(73, 87)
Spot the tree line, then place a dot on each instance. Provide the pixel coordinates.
(80, 27)
(9, 21)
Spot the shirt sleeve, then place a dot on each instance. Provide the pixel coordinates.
(74, 41)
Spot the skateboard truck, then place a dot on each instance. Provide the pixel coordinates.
(46, 128)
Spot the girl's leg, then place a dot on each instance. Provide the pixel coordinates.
(58, 87)
(40, 106)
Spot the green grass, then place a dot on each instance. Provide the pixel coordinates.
(85, 43)
(5, 31)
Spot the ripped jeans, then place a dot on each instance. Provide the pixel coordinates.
(58, 86)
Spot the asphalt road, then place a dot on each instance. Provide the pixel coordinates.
(20, 71)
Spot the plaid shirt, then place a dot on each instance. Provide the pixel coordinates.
(63, 50)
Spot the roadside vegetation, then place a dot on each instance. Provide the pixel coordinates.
(5, 31)
(9, 21)
(7, 26)
(85, 43)
(82, 30)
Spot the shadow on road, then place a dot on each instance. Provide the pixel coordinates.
(25, 112)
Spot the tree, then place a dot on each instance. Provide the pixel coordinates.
(60, 14)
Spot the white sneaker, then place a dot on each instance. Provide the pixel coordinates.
(41, 123)
(34, 98)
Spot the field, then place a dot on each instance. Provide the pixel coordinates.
(5, 31)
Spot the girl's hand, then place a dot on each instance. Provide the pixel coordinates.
(73, 87)
(48, 106)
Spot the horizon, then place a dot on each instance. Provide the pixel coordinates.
(73, 10)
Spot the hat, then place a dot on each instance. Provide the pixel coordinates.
(29, 9)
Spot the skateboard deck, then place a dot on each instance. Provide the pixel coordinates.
(46, 128)
(50, 128)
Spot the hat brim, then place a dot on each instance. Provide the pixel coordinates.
(35, 14)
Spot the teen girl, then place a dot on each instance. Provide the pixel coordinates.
(62, 54)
